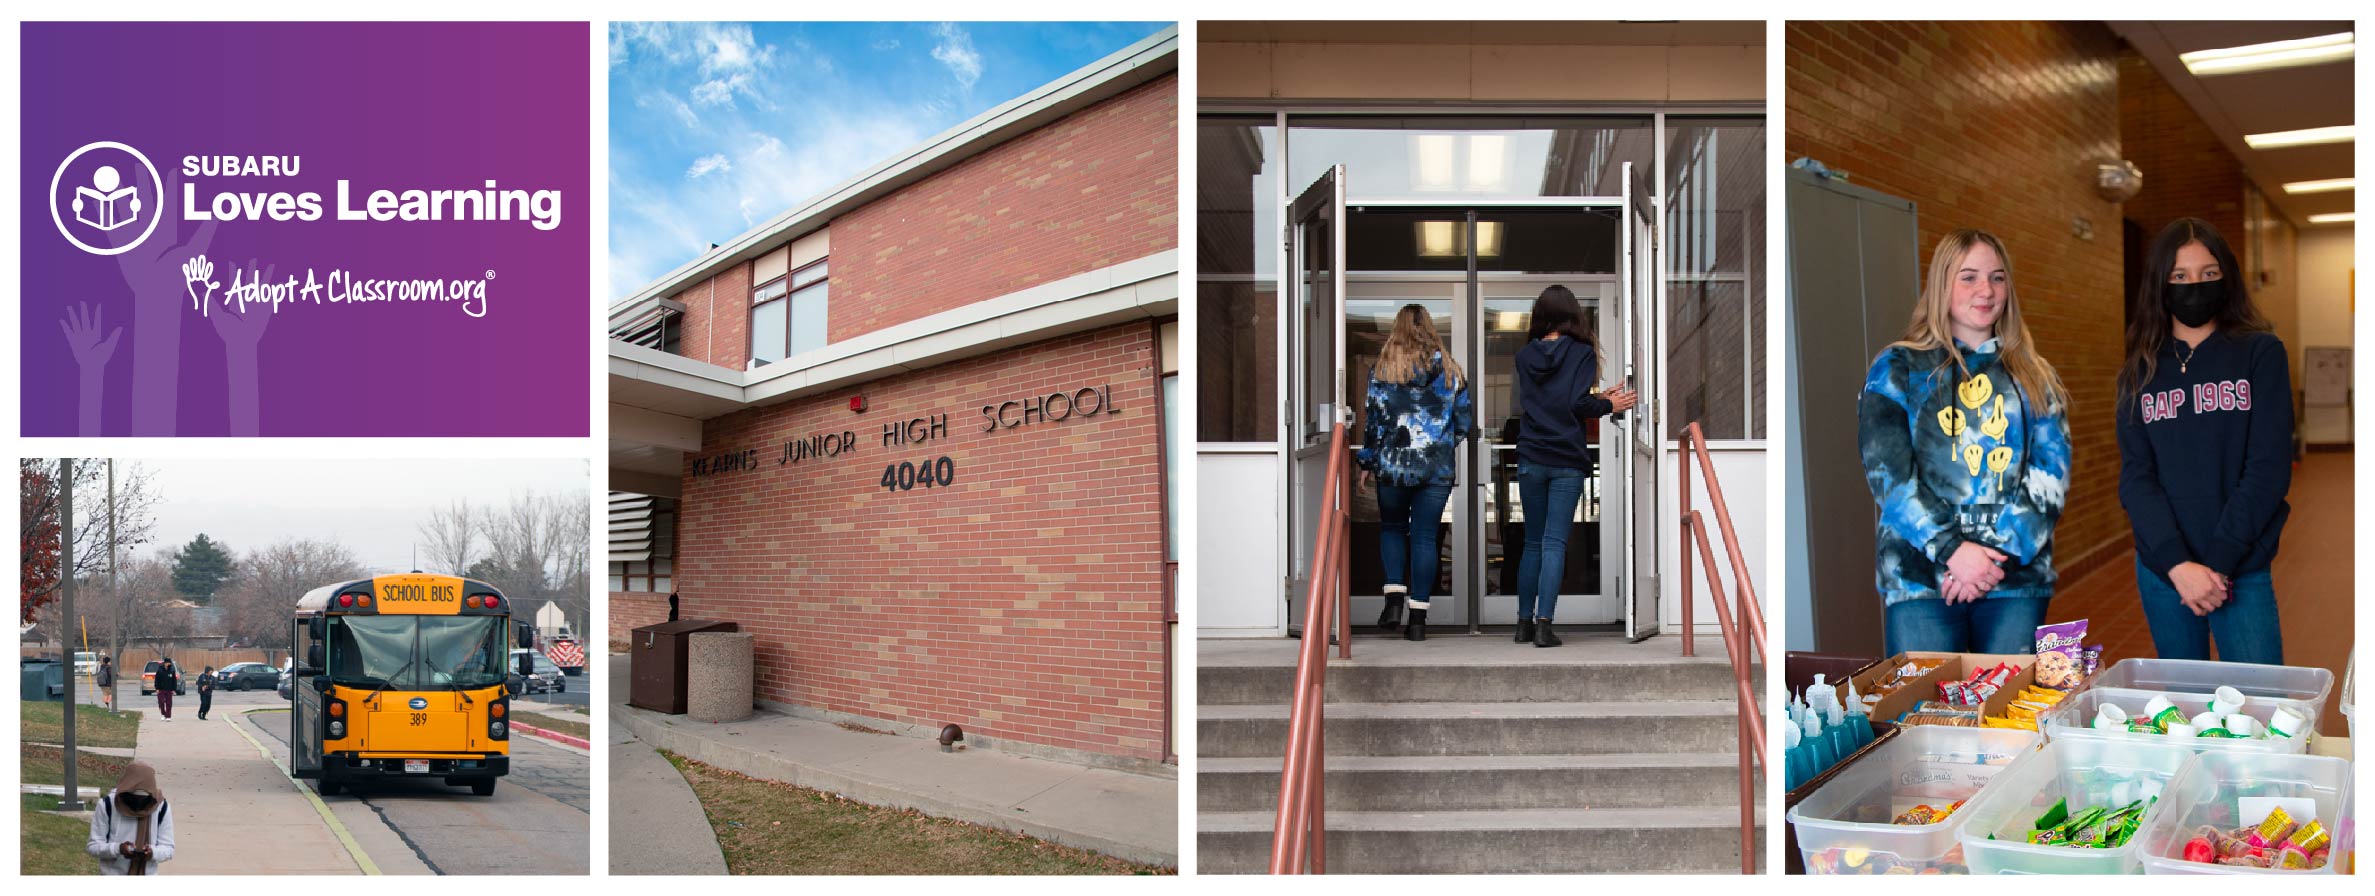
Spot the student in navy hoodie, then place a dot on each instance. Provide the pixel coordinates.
(1418, 410)
(2205, 450)
(1558, 371)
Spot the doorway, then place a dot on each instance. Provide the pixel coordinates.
(1477, 269)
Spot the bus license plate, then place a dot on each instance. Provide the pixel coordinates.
(416, 766)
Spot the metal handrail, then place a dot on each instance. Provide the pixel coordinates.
(1737, 645)
(1300, 833)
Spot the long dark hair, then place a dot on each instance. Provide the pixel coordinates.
(1557, 311)
(2148, 318)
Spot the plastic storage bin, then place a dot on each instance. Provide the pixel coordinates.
(2074, 719)
(2203, 676)
(2205, 793)
(1844, 827)
(2087, 773)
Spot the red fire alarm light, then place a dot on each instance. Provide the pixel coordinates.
(857, 403)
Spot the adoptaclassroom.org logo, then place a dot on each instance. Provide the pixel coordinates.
(97, 198)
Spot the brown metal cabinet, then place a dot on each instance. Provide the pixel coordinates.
(656, 663)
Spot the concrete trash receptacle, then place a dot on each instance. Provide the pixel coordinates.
(719, 677)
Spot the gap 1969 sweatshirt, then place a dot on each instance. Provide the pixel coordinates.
(2205, 455)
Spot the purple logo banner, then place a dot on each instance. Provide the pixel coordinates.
(305, 229)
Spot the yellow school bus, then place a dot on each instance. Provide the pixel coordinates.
(401, 676)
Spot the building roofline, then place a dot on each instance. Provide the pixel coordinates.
(1153, 57)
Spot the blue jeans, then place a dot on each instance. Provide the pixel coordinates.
(2245, 625)
(1548, 496)
(1410, 539)
(1986, 625)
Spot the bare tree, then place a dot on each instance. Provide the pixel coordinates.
(539, 551)
(139, 611)
(262, 595)
(451, 538)
(133, 516)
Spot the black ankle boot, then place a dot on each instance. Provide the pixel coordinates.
(1525, 631)
(1417, 629)
(1543, 636)
(1392, 615)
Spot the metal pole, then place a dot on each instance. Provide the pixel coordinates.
(69, 798)
(113, 595)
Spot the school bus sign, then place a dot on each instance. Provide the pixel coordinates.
(419, 594)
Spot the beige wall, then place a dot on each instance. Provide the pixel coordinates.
(1479, 72)
(2325, 267)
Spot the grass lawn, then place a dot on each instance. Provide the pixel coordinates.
(44, 723)
(769, 828)
(555, 724)
(47, 765)
(52, 844)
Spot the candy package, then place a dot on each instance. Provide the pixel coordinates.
(2061, 662)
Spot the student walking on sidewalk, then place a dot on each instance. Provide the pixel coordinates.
(105, 681)
(1966, 446)
(1558, 375)
(1418, 410)
(205, 692)
(2205, 451)
(166, 681)
(132, 827)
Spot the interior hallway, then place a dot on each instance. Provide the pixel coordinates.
(2313, 584)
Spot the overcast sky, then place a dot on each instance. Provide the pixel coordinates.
(374, 507)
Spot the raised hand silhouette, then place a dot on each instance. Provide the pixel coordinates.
(153, 271)
(82, 326)
(240, 329)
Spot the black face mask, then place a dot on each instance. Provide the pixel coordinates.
(2197, 303)
(136, 801)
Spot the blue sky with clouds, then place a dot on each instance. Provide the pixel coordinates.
(716, 127)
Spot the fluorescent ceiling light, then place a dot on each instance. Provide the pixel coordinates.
(2334, 218)
(2279, 54)
(2307, 137)
(1510, 321)
(2335, 185)
(1433, 165)
(1449, 239)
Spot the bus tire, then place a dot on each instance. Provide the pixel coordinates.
(327, 787)
(483, 787)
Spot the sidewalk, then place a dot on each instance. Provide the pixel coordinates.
(233, 811)
(666, 833)
(1129, 816)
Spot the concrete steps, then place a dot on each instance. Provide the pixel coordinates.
(1679, 840)
(1469, 754)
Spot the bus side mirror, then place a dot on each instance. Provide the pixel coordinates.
(313, 659)
(525, 636)
(318, 627)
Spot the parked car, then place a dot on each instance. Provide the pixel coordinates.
(148, 680)
(539, 674)
(286, 693)
(86, 663)
(247, 677)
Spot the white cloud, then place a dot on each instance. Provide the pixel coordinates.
(677, 107)
(955, 50)
(887, 43)
(708, 165)
(767, 148)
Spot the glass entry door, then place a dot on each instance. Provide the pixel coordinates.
(1643, 437)
(1315, 259)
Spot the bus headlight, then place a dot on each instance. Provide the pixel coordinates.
(495, 729)
(337, 728)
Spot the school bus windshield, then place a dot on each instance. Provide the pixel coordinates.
(417, 653)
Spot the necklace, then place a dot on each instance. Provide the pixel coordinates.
(2188, 360)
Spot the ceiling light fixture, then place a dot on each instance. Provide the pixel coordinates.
(2334, 218)
(2276, 54)
(2305, 137)
(2334, 185)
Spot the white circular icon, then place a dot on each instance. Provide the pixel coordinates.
(105, 190)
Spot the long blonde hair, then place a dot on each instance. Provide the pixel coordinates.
(1933, 314)
(1411, 349)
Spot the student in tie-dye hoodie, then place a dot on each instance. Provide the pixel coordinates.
(1967, 450)
(1417, 412)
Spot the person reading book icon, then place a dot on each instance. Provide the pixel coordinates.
(113, 202)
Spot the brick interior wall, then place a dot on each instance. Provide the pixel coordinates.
(1998, 126)
(1023, 602)
(2187, 171)
(1098, 188)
